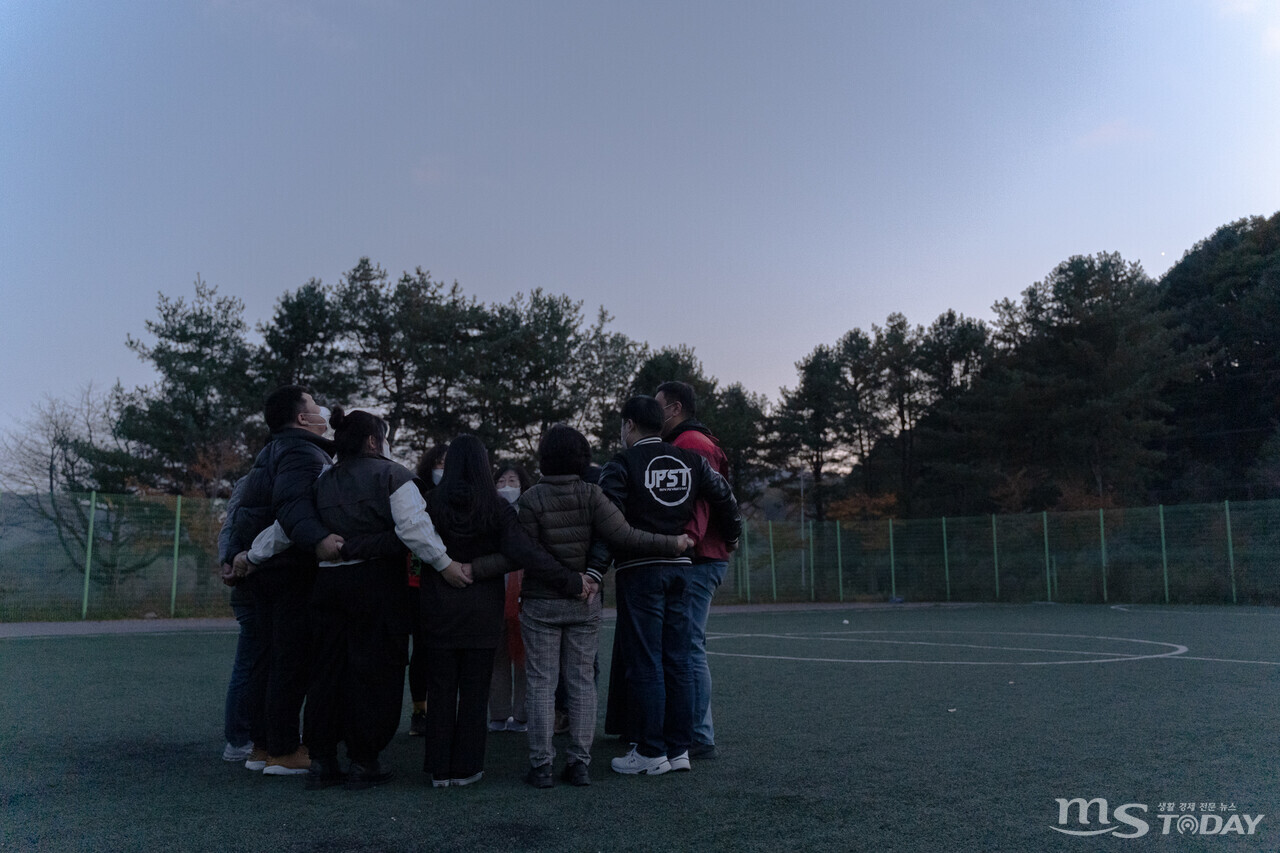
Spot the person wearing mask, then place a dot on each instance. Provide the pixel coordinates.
(358, 605)
(277, 494)
(681, 428)
(429, 471)
(507, 690)
(463, 621)
(658, 486)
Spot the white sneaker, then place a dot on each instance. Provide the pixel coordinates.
(498, 725)
(514, 725)
(681, 761)
(237, 753)
(634, 763)
(470, 780)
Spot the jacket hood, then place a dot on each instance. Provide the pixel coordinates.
(690, 425)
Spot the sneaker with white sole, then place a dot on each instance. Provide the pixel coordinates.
(466, 780)
(633, 763)
(514, 725)
(256, 760)
(498, 725)
(681, 761)
(237, 753)
(296, 763)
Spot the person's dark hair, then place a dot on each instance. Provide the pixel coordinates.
(563, 450)
(526, 480)
(682, 393)
(283, 405)
(466, 502)
(351, 432)
(428, 463)
(645, 411)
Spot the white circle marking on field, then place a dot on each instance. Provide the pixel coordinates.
(1169, 649)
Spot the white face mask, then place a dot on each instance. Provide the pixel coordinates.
(437, 474)
(323, 414)
(511, 493)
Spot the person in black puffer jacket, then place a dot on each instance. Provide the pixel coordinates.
(357, 610)
(277, 491)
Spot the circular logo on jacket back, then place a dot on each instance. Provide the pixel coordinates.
(668, 480)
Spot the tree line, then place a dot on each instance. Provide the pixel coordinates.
(1097, 386)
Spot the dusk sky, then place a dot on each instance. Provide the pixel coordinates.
(748, 178)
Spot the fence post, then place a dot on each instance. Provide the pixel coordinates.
(1048, 582)
(995, 553)
(893, 572)
(88, 554)
(813, 567)
(1102, 537)
(773, 566)
(1164, 556)
(839, 562)
(946, 560)
(746, 559)
(177, 529)
(1231, 552)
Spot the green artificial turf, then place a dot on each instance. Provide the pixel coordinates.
(959, 737)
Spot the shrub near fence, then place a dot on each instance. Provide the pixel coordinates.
(158, 555)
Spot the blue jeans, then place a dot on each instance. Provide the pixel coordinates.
(656, 635)
(244, 692)
(704, 578)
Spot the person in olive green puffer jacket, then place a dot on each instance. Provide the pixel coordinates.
(566, 515)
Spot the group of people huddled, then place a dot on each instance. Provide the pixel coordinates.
(337, 556)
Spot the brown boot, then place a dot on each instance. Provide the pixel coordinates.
(257, 759)
(295, 763)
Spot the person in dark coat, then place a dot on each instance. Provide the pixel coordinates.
(357, 609)
(463, 623)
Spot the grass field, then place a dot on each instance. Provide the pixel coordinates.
(904, 728)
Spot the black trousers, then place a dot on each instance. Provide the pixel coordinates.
(360, 646)
(617, 717)
(457, 711)
(281, 589)
(418, 661)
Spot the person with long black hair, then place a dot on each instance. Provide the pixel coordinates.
(463, 623)
(357, 608)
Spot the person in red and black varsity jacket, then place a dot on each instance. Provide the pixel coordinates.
(658, 487)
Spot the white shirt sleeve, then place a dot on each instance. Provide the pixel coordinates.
(414, 526)
(268, 543)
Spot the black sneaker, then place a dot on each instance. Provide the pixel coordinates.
(362, 776)
(540, 777)
(324, 773)
(418, 724)
(575, 773)
(703, 751)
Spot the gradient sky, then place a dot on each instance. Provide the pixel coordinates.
(748, 178)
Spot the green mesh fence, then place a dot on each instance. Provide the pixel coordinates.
(74, 556)
(1202, 553)
(157, 555)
